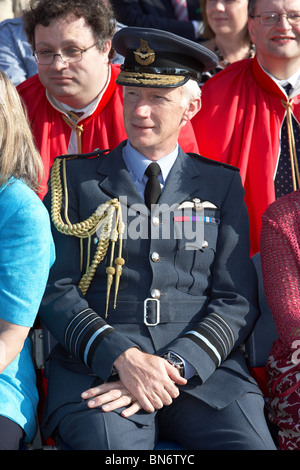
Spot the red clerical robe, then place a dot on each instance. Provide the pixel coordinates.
(104, 129)
(240, 124)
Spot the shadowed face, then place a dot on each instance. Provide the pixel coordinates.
(76, 84)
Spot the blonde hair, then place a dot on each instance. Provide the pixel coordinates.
(19, 156)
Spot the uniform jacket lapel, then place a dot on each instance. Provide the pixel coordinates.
(115, 179)
(175, 190)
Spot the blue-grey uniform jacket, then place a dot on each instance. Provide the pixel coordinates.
(205, 288)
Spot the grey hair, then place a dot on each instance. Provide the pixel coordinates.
(190, 91)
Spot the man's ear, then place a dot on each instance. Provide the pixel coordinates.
(192, 109)
(107, 49)
(251, 29)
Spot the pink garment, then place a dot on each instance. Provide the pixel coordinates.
(280, 256)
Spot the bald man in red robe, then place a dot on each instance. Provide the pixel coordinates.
(245, 105)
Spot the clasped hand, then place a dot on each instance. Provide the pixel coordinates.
(146, 382)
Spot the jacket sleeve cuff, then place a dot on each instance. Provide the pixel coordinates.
(89, 338)
(107, 352)
(197, 357)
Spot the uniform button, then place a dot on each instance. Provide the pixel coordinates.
(155, 257)
(155, 221)
(155, 293)
(205, 244)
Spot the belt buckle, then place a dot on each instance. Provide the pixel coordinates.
(157, 312)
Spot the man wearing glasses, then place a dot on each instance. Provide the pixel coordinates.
(73, 103)
(254, 123)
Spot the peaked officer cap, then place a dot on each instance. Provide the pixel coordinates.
(155, 58)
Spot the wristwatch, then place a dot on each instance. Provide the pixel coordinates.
(175, 361)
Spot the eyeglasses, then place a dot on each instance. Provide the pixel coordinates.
(70, 55)
(271, 18)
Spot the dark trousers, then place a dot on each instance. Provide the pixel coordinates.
(188, 421)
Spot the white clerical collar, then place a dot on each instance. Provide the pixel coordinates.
(294, 79)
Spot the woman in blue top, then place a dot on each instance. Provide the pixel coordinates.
(26, 255)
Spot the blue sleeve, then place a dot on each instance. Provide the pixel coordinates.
(26, 255)
(16, 58)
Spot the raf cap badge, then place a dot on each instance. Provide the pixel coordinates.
(144, 55)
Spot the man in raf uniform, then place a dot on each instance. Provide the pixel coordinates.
(153, 293)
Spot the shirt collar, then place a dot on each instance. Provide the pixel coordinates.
(137, 163)
(294, 80)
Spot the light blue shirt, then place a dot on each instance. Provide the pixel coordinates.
(16, 58)
(26, 255)
(138, 163)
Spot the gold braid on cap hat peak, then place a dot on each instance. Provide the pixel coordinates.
(136, 78)
(100, 221)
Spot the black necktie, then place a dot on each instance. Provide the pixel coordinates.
(283, 180)
(152, 189)
(287, 88)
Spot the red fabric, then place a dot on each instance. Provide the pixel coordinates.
(103, 130)
(239, 124)
(280, 260)
(259, 374)
(283, 380)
